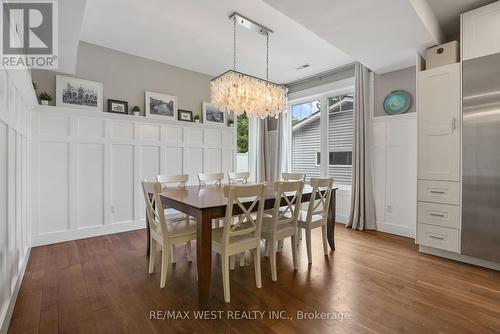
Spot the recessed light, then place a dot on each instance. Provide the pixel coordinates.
(302, 67)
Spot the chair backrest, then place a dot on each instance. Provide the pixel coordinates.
(244, 223)
(319, 203)
(173, 180)
(283, 190)
(154, 207)
(293, 176)
(210, 178)
(238, 177)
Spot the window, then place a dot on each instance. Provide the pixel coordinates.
(336, 158)
(304, 110)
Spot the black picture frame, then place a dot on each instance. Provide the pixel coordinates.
(181, 113)
(118, 102)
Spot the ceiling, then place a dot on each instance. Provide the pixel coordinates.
(198, 35)
(448, 13)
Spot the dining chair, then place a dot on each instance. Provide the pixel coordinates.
(317, 212)
(238, 178)
(210, 178)
(163, 232)
(282, 224)
(177, 181)
(242, 234)
(293, 176)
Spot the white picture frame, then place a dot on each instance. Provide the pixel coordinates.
(168, 109)
(212, 115)
(67, 93)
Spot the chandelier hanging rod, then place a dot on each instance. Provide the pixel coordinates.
(249, 24)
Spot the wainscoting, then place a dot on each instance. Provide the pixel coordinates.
(88, 167)
(17, 100)
(395, 173)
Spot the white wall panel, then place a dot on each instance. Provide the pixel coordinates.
(103, 158)
(53, 176)
(173, 160)
(91, 128)
(122, 186)
(213, 162)
(90, 185)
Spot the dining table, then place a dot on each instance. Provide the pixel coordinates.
(206, 203)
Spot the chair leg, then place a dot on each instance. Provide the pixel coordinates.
(164, 265)
(280, 246)
(188, 251)
(308, 244)
(225, 278)
(232, 260)
(242, 259)
(293, 240)
(152, 255)
(272, 255)
(266, 249)
(325, 240)
(173, 253)
(256, 263)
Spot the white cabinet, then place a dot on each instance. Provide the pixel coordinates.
(439, 122)
(480, 31)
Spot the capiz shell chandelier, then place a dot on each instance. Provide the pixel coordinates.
(238, 92)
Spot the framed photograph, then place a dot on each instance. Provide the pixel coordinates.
(161, 106)
(78, 93)
(185, 115)
(118, 107)
(212, 115)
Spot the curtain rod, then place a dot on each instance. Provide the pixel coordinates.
(321, 75)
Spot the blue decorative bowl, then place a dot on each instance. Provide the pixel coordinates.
(397, 102)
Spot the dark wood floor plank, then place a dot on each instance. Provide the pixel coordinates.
(101, 285)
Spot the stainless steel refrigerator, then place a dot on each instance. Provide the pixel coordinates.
(481, 158)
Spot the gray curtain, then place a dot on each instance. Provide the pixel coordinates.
(362, 214)
(259, 157)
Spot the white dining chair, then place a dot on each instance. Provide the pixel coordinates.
(242, 234)
(210, 178)
(163, 232)
(175, 181)
(282, 224)
(238, 178)
(317, 212)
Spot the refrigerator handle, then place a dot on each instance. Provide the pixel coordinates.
(453, 124)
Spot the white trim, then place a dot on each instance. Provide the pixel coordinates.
(6, 318)
(459, 257)
(89, 232)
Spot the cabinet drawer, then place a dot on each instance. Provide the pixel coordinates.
(439, 214)
(439, 237)
(439, 192)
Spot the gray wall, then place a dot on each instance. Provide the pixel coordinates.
(386, 83)
(126, 77)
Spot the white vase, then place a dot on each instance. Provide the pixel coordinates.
(44, 102)
(197, 121)
(136, 113)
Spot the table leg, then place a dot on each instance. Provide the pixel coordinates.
(148, 247)
(204, 256)
(330, 226)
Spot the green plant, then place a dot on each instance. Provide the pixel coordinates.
(136, 109)
(196, 117)
(242, 133)
(35, 85)
(230, 121)
(45, 96)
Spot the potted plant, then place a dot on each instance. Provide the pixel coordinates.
(35, 85)
(230, 122)
(45, 98)
(196, 118)
(136, 110)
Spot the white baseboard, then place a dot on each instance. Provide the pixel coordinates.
(82, 233)
(396, 229)
(5, 318)
(459, 257)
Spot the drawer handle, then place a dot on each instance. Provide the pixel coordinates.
(437, 192)
(436, 237)
(436, 214)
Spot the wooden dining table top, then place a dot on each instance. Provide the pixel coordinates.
(210, 196)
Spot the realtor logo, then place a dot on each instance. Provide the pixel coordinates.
(29, 34)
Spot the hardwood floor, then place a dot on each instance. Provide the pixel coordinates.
(101, 285)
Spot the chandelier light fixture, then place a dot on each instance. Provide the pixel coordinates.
(238, 92)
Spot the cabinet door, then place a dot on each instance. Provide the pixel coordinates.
(439, 123)
(481, 31)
